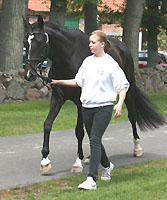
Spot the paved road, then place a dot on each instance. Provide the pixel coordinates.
(20, 156)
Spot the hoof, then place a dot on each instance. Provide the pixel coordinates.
(76, 169)
(45, 168)
(138, 153)
(87, 160)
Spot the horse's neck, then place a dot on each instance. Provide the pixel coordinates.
(62, 64)
(59, 45)
(67, 49)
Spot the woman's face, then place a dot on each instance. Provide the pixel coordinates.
(96, 47)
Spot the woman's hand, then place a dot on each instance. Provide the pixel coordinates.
(69, 82)
(53, 82)
(118, 106)
(118, 110)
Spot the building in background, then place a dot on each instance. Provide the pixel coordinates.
(41, 7)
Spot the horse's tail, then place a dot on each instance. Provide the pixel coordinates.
(148, 115)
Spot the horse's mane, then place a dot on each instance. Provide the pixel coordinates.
(62, 32)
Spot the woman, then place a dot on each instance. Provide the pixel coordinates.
(100, 79)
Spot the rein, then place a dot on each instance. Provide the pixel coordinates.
(28, 61)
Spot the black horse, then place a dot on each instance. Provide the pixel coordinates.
(67, 48)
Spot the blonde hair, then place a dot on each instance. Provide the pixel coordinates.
(103, 38)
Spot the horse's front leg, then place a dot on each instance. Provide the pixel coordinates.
(79, 132)
(54, 110)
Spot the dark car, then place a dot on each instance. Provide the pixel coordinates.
(143, 57)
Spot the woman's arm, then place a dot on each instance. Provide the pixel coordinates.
(70, 82)
(118, 106)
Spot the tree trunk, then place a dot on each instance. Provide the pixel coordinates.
(132, 21)
(152, 34)
(58, 11)
(90, 17)
(0, 7)
(152, 47)
(12, 33)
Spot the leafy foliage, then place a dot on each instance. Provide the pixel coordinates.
(78, 4)
(162, 39)
(112, 14)
(73, 5)
(155, 15)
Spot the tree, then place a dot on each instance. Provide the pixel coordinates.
(11, 34)
(58, 11)
(89, 10)
(132, 20)
(90, 17)
(153, 22)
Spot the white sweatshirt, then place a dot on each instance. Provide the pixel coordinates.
(100, 79)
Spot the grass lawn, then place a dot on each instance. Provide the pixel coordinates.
(28, 116)
(141, 181)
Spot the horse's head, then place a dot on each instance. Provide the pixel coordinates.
(36, 42)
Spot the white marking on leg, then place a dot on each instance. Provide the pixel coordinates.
(45, 161)
(138, 151)
(78, 163)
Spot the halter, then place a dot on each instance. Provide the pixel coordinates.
(28, 61)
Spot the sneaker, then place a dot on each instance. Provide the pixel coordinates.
(89, 184)
(106, 173)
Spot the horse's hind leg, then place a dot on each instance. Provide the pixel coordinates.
(87, 160)
(54, 110)
(79, 132)
(138, 151)
(130, 104)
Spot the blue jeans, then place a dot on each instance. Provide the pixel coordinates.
(96, 121)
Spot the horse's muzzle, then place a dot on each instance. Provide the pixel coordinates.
(29, 74)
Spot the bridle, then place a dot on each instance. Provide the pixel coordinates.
(40, 61)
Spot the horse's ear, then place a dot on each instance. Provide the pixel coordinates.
(40, 22)
(27, 25)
